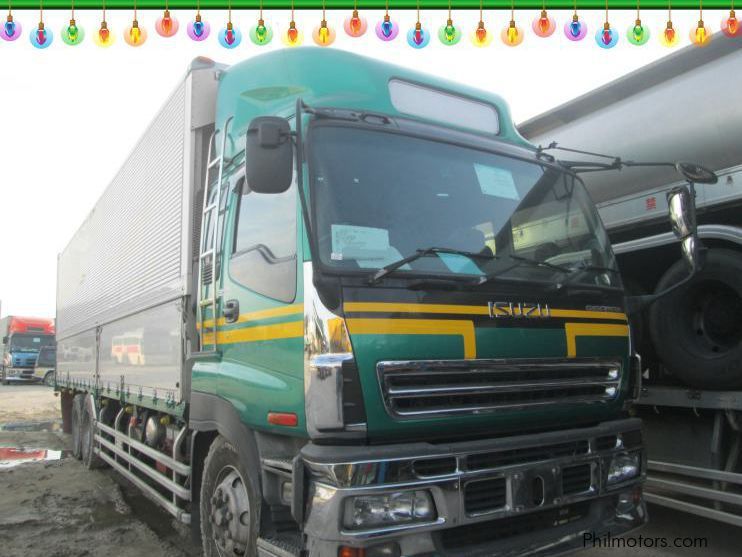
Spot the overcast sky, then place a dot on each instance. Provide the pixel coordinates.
(71, 115)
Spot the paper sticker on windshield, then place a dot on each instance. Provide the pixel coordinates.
(495, 181)
(359, 242)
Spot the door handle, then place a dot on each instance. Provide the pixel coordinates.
(231, 311)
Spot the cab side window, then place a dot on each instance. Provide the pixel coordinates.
(264, 245)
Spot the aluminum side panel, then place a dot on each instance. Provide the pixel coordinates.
(147, 350)
(128, 254)
(76, 359)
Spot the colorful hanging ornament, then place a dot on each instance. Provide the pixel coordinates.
(293, 36)
(575, 30)
(544, 26)
(418, 36)
(198, 29)
(135, 35)
(669, 36)
(512, 35)
(481, 37)
(386, 29)
(355, 25)
(167, 25)
(11, 29)
(72, 34)
(637, 33)
(230, 36)
(103, 37)
(41, 37)
(730, 26)
(449, 34)
(323, 35)
(700, 35)
(606, 37)
(261, 34)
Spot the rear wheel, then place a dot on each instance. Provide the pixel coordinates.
(76, 431)
(230, 504)
(697, 330)
(87, 439)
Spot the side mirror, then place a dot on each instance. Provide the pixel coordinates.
(5, 340)
(269, 155)
(681, 206)
(682, 209)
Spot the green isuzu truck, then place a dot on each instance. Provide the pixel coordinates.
(333, 307)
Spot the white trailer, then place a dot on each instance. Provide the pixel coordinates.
(686, 106)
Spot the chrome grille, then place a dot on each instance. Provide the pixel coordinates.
(435, 387)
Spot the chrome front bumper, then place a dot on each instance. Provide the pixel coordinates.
(536, 492)
(18, 374)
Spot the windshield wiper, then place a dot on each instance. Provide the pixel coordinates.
(520, 260)
(384, 271)
(537, 263)
(577, 270)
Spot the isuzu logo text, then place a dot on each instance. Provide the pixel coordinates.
(518, 310)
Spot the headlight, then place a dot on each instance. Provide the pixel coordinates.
(389, 509)
(623, 467)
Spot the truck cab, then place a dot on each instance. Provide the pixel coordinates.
(413, 317)
(22, 339)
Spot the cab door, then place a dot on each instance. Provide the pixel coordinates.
(260, 331)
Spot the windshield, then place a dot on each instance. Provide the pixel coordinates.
(380, 197)
(24, 342)
(47, 356)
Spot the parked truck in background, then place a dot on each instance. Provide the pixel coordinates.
(22, 339)
(683, 106)
(367, 318)
(46, 363)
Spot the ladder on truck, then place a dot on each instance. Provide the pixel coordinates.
(207, 260)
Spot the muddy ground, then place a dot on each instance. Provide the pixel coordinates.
(57, 508)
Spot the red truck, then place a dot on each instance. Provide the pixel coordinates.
(22, 339)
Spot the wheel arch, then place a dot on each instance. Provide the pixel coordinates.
(209, 417)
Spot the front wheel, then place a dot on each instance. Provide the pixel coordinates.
(230, 504)
(49, 379)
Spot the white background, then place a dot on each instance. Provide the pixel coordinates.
(70, 115)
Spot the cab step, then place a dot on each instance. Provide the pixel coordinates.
(272, 547)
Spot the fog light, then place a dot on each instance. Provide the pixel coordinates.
(623, 467)
(389, 509)
(389, 549)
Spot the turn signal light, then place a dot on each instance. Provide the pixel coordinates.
(288, 419)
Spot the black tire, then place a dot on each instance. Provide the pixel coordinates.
(697, 330)
(87, 441)
(49, 379)
(77, 411)
(229, 505)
